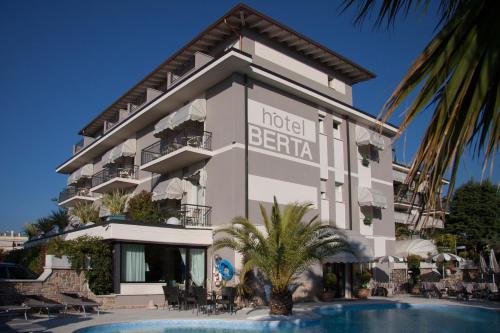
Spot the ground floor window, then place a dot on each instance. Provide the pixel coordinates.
(159, 263)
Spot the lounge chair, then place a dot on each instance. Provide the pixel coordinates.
(37, 301)
(9, 310)
(75, 300)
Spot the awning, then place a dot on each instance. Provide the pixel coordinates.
(196, 111)
(85, 171)
(432, 222)
(362, 251)
(203, 178)
(399, 176)
(419, 247)
(365, 136)
(173, 188)
(371, 197)
(124, 149)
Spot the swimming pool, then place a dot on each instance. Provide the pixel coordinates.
(386, 318)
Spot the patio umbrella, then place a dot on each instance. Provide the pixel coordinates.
(494, 268)
(482, 266)
(446, 257)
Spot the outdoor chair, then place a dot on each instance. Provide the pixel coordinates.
(11, 310)
(228, 295)
(37, 301)
(75, 300)
(189, 298)
(202, 300)
(172, 296)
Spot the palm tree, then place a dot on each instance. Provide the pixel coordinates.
(286, 249)
(31, 230)
(86, 212)
(45, 225)
(457, 76)
(59, 218)
(115, 202)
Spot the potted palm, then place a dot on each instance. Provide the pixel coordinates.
(115, 202)
(330, 284)
(286, 249)
(85, 212)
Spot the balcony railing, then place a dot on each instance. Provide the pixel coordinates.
(78, 146)
(164, 147)
(195, 215)
(70, 192)
(407, 197)
(115, 171)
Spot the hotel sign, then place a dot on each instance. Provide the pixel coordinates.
(277, 130)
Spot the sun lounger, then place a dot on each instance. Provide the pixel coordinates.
(8, 310)
(37, 301)
(75, 300)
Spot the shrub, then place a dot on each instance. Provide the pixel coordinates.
(330, 281)
(32, 258)
(115, 202)
(92, 255)
(365, 278)
(142, 208)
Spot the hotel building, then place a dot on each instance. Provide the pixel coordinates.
(247, 110)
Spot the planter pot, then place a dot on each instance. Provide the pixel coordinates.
(116, 217)
(329, 295)
(363, 293)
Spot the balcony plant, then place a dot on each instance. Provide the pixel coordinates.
(86, 212)
(285, 251)
(365, 161)
(115, 202)
(368, 220)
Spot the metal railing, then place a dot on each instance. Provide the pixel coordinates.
(407, 197)
(115, 171)
(167, 146)
(78, 146)
(72, 191)
(195, 215)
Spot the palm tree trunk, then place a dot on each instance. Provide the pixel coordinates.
(281, 303)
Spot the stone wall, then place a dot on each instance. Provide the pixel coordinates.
(54, 282)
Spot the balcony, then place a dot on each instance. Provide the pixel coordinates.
(115, 177)
(176, 153)
(195, 215)
(71, 195)
(405, 198)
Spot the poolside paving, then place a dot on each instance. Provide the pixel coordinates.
(71, 322)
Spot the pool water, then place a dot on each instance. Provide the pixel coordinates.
(384, 318)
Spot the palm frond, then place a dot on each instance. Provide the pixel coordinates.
(458, 76)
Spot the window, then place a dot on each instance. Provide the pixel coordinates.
(338, 192)
(336, 131)
(158, 263)
(321, 123)
(323, 189)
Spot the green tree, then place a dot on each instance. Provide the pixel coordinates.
(86, 212)
(475, 216)
(59, 218)
(115, 201)
(142, 208)
(285, 251)
(456, 76)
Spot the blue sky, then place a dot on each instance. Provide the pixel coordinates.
(63, 62)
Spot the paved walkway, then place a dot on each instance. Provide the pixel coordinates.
(71, 322)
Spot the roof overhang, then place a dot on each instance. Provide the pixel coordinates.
(236, 20)
(193, 85)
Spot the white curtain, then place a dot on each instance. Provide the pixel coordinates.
(197, 269)
(133, 263)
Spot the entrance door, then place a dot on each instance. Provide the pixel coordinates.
(339, 270)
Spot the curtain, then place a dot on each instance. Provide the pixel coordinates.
(183, 257)
(133, 263)
(197, 269)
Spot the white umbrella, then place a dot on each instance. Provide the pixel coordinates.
(447, 257)
(494, 268)
(482, 266)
